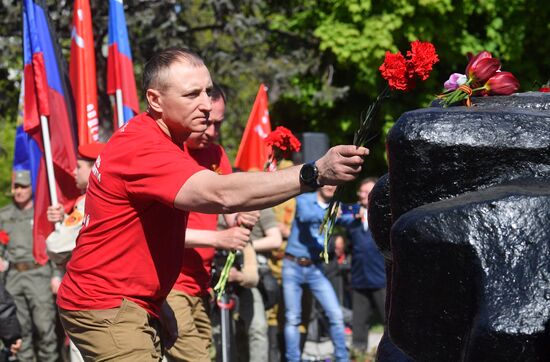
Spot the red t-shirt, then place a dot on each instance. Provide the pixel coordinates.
(194, 278)
(132, 241)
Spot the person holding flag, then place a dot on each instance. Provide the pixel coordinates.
(61, 242)
(48, 119)
(130, 250)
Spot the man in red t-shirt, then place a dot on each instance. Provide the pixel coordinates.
(129, 252)
(190, 296)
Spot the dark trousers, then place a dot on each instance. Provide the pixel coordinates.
(365, 302)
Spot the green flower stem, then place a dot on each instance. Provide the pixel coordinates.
(458, 95)
(222, 282)
(330, 219)
(360, 139)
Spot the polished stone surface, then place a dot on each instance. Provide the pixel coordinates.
(463, 219)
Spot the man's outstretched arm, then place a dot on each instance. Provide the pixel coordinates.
(209, 192)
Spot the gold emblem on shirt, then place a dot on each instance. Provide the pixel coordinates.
(74, 218)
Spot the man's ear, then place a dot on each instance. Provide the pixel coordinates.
(153, 99)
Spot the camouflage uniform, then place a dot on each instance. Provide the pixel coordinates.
(30, 285)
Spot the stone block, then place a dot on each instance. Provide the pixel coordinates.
(471, 276)
(380, 219)
(439, 153)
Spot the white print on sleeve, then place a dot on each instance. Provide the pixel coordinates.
(95, 169)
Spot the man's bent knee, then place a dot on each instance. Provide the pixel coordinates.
(124, 333)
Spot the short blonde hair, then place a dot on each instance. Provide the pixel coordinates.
(161, 61)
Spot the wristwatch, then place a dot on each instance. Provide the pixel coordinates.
(309, 174)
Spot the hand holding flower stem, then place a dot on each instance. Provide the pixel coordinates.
(401, 74)
(360, 139)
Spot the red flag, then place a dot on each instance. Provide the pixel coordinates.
(47, 93)
(82, 72)
(253, 151)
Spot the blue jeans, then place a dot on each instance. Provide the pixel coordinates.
(294, 277)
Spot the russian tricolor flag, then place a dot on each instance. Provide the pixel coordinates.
(120, 70)
(48, 118)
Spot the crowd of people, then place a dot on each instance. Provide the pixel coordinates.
(127, 286)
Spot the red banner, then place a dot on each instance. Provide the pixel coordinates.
(253, 151)
(82, 73)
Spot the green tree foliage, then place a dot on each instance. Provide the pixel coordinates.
(7, 138)
(318, 58)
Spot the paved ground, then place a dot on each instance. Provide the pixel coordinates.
(322, 351)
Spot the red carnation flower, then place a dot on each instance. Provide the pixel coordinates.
(401, 73)
(4, 237)
(394, 70)
(283, 139)
(422, 58)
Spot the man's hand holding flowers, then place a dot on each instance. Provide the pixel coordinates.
(401, 73)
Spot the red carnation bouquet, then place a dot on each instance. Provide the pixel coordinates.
(282, 143)
(402, 73)
(483, 77)
(4, 237)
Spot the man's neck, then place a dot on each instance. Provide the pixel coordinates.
(322, 199)
(24, 206)
(178, 139)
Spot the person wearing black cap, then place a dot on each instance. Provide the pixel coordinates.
(28, 282)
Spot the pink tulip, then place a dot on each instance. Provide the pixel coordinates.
(455, 81)
(502, 83)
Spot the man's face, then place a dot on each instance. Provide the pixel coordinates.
(339, 245)
(327, 192)
(363, 193)
(82, 173)
(21, 194)
(185, 98)
(202, 140)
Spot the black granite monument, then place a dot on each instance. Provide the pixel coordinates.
(463, 218)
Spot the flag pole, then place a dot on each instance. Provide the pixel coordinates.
(48, 158)
(49, 162)
(119, 108)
